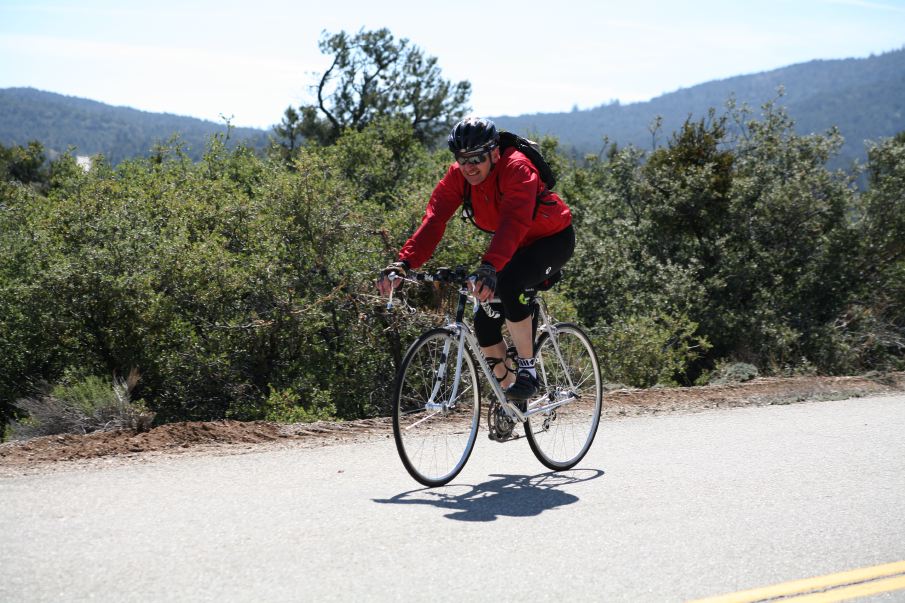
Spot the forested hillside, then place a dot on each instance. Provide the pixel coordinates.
(864, 98)
(58, 122)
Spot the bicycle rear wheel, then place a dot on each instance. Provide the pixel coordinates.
(562, 436)
(434, 432)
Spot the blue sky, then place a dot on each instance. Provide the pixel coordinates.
(250, 60)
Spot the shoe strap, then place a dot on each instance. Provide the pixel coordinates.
(492, 362)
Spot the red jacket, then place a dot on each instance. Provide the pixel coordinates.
(505, 202)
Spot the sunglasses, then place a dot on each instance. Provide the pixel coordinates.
(473, 159)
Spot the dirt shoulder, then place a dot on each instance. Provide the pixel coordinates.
(226, 437)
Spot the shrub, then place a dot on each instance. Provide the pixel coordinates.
(284, 406)
(734, 372)
(735, 223)
(88, 405)
(646, 350)
(221, 280)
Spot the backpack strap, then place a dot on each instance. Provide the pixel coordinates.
(468, 209)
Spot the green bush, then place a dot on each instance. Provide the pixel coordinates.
(83, 406)
(284, 406)
(222, 281)
(645, 350)
(733, 372)
(737, 224)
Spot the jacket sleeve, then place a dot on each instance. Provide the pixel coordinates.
(518, 184)
(444, 201)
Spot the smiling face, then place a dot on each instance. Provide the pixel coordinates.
(476, 173)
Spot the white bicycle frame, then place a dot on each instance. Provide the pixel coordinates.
(463, 337)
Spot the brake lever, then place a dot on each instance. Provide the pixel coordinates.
(391, 277)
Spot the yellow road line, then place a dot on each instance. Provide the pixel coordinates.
(848, 579)
(864, 589)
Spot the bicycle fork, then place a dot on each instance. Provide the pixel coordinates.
(440, 377)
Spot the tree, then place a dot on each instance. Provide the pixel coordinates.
(23, 164)
(297, 125)
(874, 323)
(374, 75)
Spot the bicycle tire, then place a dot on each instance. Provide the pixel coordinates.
(435, 445)
(560, 438)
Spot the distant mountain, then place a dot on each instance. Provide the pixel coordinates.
(865, 98)
(59, 121)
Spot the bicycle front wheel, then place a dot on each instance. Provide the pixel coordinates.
(435, 417)
(561, 436)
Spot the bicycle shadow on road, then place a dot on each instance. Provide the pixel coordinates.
(507, 495)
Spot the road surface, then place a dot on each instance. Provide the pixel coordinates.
(664, 508)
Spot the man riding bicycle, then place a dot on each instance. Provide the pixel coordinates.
(533, 238)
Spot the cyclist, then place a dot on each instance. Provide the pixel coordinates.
(533, 238)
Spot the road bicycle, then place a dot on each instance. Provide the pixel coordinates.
(437, 396)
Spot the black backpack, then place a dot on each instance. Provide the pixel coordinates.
(529, 149)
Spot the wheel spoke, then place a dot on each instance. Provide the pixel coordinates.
(568, 434)
(435, 446)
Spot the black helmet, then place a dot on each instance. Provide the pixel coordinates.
(471, 135)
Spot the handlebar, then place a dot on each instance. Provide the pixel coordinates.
(457, 276)
(460, 276)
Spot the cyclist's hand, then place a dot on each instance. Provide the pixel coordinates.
(384, 284)
(484, 283)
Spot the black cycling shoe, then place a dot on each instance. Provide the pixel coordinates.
(524, 388)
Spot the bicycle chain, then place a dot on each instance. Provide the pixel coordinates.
(499, 424)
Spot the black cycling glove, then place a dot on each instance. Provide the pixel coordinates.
(400, 268)
(486, 274)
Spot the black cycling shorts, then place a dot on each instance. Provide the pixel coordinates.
(528, 267)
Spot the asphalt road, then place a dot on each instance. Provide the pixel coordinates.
(664, 508)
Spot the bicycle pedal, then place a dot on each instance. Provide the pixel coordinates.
(506, 438)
